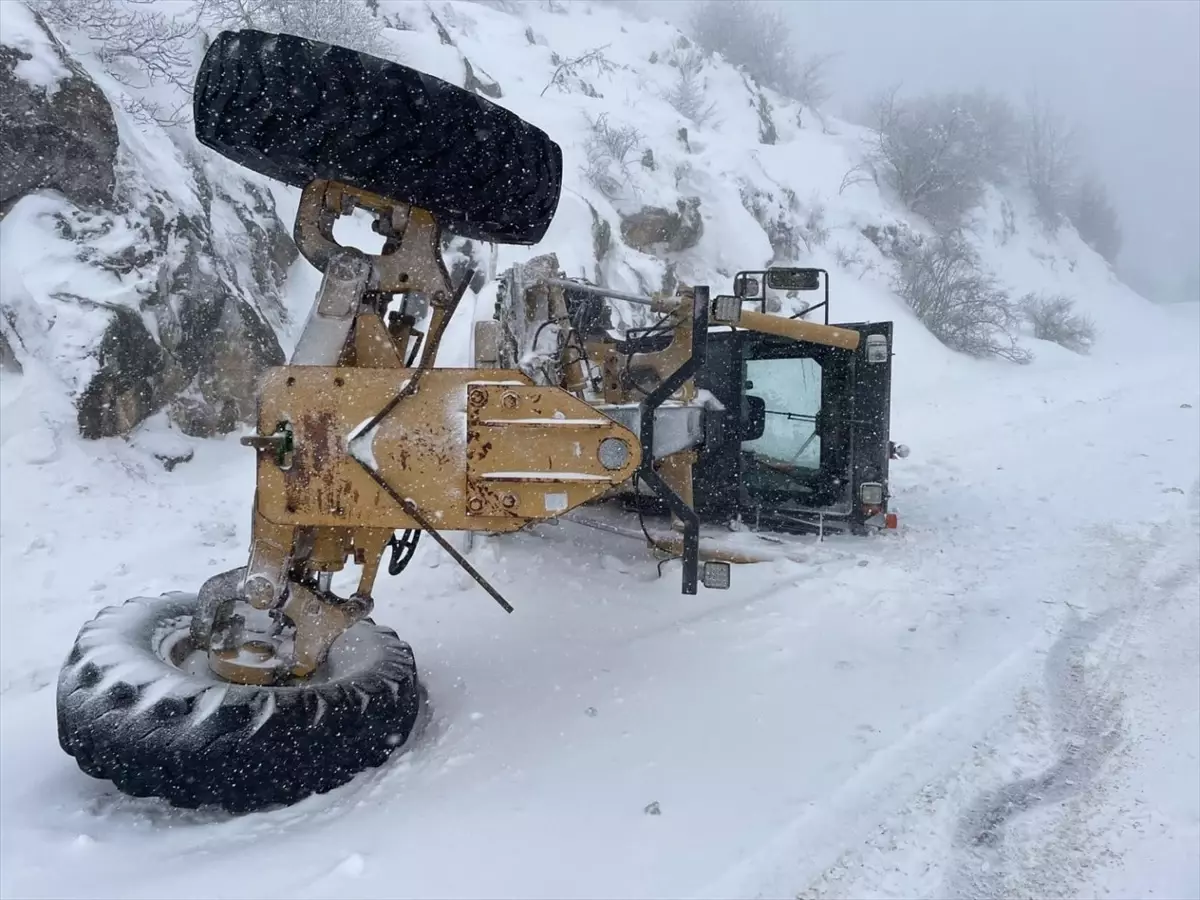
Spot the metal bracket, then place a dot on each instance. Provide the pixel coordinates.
(407, 505)
(646, 472)
(411, 259)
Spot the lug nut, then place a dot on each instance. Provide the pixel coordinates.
(259, 591)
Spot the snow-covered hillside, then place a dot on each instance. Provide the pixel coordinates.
(761, 180)
(998, 700)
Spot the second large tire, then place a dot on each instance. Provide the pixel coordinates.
(139, 708)
(295, 109)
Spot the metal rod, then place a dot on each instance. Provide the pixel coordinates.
(597, 291)
(415, 513)
(442, 314)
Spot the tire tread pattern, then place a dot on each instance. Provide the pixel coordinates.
(235, 755)
(295, 109)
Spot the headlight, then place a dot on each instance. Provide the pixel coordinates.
(877, 348)
(715, 576)
(871, 493)
(726, 310)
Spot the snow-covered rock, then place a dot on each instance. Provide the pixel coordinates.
(57, 129)
(145, 274)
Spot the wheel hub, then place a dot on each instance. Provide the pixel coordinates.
(252, 662)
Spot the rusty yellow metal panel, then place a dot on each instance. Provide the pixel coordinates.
(535, 452)
(420, 448)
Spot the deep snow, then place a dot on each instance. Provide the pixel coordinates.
(1000, 699)
(837, 726)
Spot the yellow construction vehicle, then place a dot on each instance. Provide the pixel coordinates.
(266, 686)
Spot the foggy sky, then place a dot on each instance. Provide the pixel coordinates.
(1127, 73)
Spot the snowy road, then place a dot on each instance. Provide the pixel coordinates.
(1002, 698)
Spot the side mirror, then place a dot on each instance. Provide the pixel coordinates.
(755, 422)
(794, 279)
(746, 288)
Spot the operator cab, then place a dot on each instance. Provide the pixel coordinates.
(805, 426)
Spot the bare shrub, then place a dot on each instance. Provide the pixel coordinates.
(757, 39)
(608, 150)
(345, 23)
(567, 70)
(137, 45)
(1050, 160)
(936, 151)
(810, 79)
(140, 46)
(852, 260)
(997, 130)
(1053, 319)
(1008, 223)
(813, 231)
(961, 305)
(687, 95)
(1095, 218)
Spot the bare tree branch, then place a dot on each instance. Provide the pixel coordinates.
(570, 68)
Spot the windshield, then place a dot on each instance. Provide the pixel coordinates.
(791, 390)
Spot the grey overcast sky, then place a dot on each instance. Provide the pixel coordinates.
(1127, 72)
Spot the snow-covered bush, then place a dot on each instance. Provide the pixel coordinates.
(687, 92)
(566, 75)
(963, 306)
(895, 241)
(609, 149)
(1053, 319)
(810, 79)
(1095, 218)
(813, 231)
(141, 46)
(347, 23)
(937, 151)
(757, 39)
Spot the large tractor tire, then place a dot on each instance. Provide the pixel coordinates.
(295, 109)
(138, 706)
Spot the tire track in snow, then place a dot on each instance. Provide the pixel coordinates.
(1012, 838)
(890, 778)
(1084, 675)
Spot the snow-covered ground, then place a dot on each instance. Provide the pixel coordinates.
(1000, 699)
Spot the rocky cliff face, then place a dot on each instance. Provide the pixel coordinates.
(62, 139)
(142, 289)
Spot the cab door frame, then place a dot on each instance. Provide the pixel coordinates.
(853, 424)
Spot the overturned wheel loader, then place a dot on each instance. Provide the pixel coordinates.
(266, 686)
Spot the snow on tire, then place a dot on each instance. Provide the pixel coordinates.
(138, 706)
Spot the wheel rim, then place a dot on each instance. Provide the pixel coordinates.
(172, 643)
